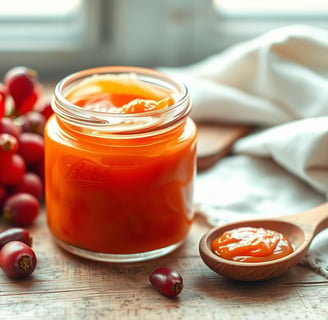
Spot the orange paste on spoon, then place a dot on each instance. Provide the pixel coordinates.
(249, 244)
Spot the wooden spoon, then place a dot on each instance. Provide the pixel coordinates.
(299, 228)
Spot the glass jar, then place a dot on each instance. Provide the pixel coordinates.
(119, 186)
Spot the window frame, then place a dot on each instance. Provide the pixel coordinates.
(174, 33)
(51, 56)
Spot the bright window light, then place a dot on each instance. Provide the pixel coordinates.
(41, 24)
(37, 8)
(272, 7)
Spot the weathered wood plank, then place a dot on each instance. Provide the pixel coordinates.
(66, 287)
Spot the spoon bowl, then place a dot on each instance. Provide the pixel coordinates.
(299, 228)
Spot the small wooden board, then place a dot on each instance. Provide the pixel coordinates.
(215, 140)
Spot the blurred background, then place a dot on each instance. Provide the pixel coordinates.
(57, 37)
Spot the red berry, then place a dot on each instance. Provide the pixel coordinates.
(17, 259)
(27, 104)
(46, 110)
(2, 106)
(31, 183)
(24, 88)
(3, 90)
(31, 147)
(3, 96)
(21, 209)
(7, 125)
(38, 169)
(12, 169)
(20, 82)
(167, 281)
(33, 122)
(15, 234)
(3, 195)
(8, 144)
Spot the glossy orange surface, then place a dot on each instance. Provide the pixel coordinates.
(248, 244)
(120, 196)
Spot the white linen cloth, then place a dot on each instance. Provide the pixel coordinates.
(278, 81)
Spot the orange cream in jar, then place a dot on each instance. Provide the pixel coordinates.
(120, 164)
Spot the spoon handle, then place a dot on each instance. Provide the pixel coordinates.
(312, 221)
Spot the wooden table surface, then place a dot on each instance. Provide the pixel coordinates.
(64, 286)
(67, 287)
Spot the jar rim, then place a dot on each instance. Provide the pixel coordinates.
(70, 112)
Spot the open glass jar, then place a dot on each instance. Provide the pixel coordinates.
(120, 162)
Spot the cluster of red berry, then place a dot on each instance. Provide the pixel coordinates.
(21, 146)
(17, 258)
(22, 119)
